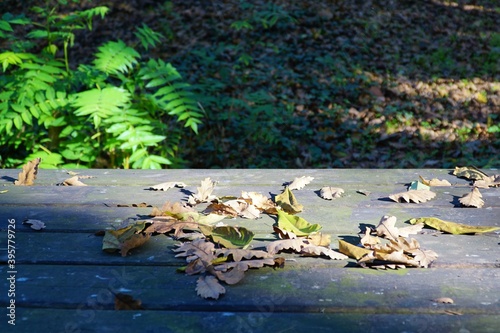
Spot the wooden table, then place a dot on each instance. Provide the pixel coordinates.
(64, 282)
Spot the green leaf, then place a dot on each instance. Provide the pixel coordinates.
(101, 102)
(116, 57)
(296, 224)
(452, 227)
(229, 236)
(288, 202)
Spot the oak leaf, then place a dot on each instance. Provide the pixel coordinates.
(204, 193)
(300, 182)
(435, 182)
(368, 240)
(28, 175)
(472, 199)
(295, 244)
(329, 193)
(125, 239)
(287, 201)
(220, 208)
(415, 196)
(284, 234)
(260, 201)
(167, 185)
(314, 250)
(244, 265)
(452, 227)
(240, 254)
(387, 228)
(209, 287)
(198, 248)
(165, 224)
(491, 181)
(73, 181)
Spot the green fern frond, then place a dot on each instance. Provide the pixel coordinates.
(13, 58)
(116, 57)
(172, 96)
(147, 36)
(101, 103)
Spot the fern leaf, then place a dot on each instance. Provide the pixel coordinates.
(12, 58)
(147, 36)
(116, 57)
(101, 103)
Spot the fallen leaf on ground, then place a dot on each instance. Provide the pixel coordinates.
(167, 185)
(472, 199)
(296, 224)
(329, 193)
(204, 193)
(387, 228)
(229, 236)
(139, 205)
(124, 239)
(443, 300)
(28, 175)
(492, 181)
(452, 227)
(364, 192)
(471, 172)
(368, 240)
(300, 182)
(319, 239)
(198, 248)
(352, 251)
(435, 182)
(165, 224)
(209, 287)
(127, 302)
(240, 254)
(244, 209)
(295, 244)
(314, 250)
(35, 224)
(73, 181)
(415, 196)
(260, 201)
(287, 201)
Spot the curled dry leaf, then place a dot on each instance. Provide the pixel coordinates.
(492, 181)
(35, 224)
(314, 250)
(435, 182)
(368, 240)
(127, 302)
(300, 182)
(452, 227)
(387, 228)
(28, 175)
(443, 300)
(352, 251)
(319, 239)
(167, 185)
(472, 199)
(73, 181)
(209, 287)
(470, 172)
(240, 254)
(286, 244)
(204, 193)
(287, 201)
(329, 193)
(415, 196)
(260, 201)
(244, 209)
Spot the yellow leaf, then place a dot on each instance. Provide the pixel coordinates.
(452, 227)
(352, 251)
(288, 202)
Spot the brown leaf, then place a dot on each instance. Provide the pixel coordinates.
(472, 199)
(435, 182)
(286, 244)
(244, 265)
(73, 181)
(127, 302)
(167, 185)
(220, 209)
(133, 241)
(209, 287)
(244, 209)
(443, 300)
(300, 182)
(319, 239)
(35, 224)
(415, 196)
(329, 193)
(28, 175)
(492, 181)
(284, 234)
(314, 250)
(165, 224)
(387, 229)
(260, 201)
(199, 248)
(240, 254)
(368, 240)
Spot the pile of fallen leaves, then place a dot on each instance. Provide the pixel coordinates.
(221, 253)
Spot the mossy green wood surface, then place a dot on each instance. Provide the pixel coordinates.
(309, 293)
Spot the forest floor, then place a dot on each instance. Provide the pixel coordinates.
(329, 83)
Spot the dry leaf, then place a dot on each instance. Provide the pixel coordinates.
(260, 201)
(220, 209)
(127, 302)
(329, 193)
(364, 192)
(387, 229)
(452, 227)
(132, 242)
(368, 240)
(73, 181)
(472, 199)
(300, 182)
(443, 300)
(319, 239)
(209, 287)
(314, 250)
(286, 244)
(165, 224)
(35, 224)
(28, 175)
(435, 182)
(244, 265)
(244, 209)
(287, 201)
(167, 185)
(240, 254)
(352, 251)
(415, 196)
(198, 248)
(469, 173)
(492, 181)
(284, 234)
(204, 193)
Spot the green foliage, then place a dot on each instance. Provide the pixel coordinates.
(120, 111)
